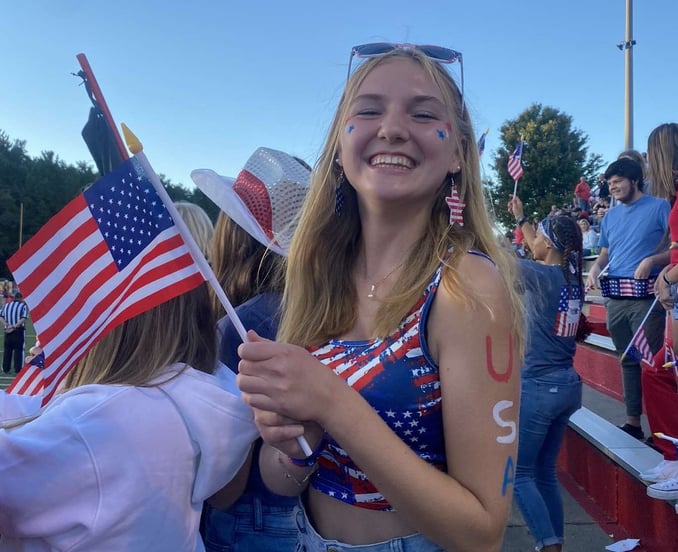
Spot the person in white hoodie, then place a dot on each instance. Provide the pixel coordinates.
(142, 432)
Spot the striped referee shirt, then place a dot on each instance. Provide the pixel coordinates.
(13, 312)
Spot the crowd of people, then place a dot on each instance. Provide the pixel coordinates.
(386, 333)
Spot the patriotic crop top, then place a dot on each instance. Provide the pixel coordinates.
(398, 377)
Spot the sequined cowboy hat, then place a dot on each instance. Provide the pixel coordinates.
(264, 199)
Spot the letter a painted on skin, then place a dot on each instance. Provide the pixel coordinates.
(509, 475)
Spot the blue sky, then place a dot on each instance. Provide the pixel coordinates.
(204, 83)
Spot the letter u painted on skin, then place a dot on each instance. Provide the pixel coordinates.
(503, 377)
(496, 411)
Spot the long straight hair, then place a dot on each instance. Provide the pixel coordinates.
(662, 157)
(320, 296)
(243, 266)
(181, 330)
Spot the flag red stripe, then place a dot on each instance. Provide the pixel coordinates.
(24, 379)
(59, 344)
(53, 381)
(53, 263)
(47, 232)
(48, 332)
(78, 289)
(111, 301)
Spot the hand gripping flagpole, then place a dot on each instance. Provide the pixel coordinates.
(137, 150)
(640, 327)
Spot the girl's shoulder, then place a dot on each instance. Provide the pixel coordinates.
(478, 274)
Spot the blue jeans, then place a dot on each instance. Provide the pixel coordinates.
(311, 541)
(249, 525)
(546, 404)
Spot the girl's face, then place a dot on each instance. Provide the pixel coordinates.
(396, 145)
(540, 246)
(583, 225)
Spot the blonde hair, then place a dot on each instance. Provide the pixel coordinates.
(662, 157)
(181, 330)
(319, 300)
(243, 266)
(199, 224)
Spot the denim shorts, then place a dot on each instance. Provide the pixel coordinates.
(674, 293)
(308, 540)
(252, 523)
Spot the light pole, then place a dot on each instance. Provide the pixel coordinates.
(21, 224)
(627, 48)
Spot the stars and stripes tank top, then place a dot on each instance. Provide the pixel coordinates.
(398, 377)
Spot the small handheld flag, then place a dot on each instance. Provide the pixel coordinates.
(112, 253)
(515, 166)
(638, 348)
(481, 143)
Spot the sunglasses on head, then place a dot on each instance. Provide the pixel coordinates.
(436, 53)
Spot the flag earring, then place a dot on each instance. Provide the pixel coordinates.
(338, 192)
(455, 204)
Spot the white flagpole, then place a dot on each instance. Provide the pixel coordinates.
(640, 327)
(136, 148)
(604, 269)
(601, 273)
(515, 187)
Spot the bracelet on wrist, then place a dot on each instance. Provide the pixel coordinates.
(298, 482)
(666, 280)
(522, 220)
(310, 460)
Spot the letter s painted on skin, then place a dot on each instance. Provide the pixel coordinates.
(496, 411)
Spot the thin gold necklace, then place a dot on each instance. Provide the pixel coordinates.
(373, 286)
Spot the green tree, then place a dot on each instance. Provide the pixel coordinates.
(554, 157)
(32, 190)
(43, 185)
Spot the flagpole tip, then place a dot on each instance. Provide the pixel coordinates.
(133, 143)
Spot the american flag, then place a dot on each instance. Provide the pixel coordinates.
(456, 206)
(29, 380)
(110, 254)
(481, 143)
(515, 167)
(569, 310)
(639, 349)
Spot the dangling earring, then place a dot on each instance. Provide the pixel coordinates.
(455, 204)
(339, 194)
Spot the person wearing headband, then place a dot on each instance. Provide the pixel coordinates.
(401, 332)
(551, 389)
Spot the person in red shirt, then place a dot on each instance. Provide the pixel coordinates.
(582, 194)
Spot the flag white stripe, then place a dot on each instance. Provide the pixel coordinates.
(35, 261)
(101, 296)
(92, 273)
